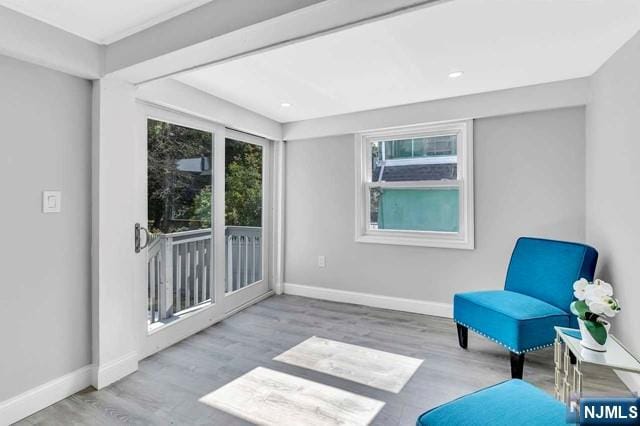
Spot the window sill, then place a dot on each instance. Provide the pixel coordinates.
(452, 241)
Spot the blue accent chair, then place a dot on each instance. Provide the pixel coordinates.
(513, 402)
(536, 297)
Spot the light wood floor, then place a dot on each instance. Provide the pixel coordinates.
(168, 385)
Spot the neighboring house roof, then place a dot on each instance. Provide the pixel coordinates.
(416, 172)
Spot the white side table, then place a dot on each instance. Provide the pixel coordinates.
(568, 376)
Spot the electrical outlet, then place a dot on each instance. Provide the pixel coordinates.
(322, 261)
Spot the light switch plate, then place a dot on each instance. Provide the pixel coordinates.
(322, 261)
(51, 201)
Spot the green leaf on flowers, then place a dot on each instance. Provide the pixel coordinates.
(579, 308)
(597, 331)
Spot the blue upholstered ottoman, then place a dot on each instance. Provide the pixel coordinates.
(513, 402)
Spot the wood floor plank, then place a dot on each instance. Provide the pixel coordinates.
(168, 385)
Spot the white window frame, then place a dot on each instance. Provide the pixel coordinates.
(464, 238)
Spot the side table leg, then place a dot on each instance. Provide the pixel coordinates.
(557, 361)
(566, 386)
(577, 378)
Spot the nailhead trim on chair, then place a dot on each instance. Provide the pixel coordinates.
(535, 348)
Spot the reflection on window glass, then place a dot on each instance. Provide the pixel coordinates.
(179, 178)
(419, 147)
(398, 149)
(424, 209)
(403, 160)
(436, 146)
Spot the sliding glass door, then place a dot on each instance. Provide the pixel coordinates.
(180, 255)
(246, 212)
(202, 232)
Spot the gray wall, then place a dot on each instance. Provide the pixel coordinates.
(45, 134)
(529, 180)
(613, 181)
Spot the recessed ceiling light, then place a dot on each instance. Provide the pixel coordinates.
(455, 74)
(285, 105)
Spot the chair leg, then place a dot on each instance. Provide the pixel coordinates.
(517, 365)
(463, 335)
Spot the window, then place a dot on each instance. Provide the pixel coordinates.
(415, 186)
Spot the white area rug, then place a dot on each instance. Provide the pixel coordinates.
(268, 397)
(371, 367)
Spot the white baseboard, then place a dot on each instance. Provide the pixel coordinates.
(40, 397)
(631, 380)
(425, 307)
(115, 370)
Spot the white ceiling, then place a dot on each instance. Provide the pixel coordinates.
(407, 58)
(102, 21)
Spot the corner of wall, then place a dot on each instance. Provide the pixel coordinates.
(110, 372)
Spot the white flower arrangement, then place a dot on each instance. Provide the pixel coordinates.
(595, 301)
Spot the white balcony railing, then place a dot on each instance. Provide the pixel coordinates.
(180, 270)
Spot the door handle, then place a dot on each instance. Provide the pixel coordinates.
(136, 237)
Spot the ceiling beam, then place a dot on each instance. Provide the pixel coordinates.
(177, 96)
(227, 29)
(30, 40)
